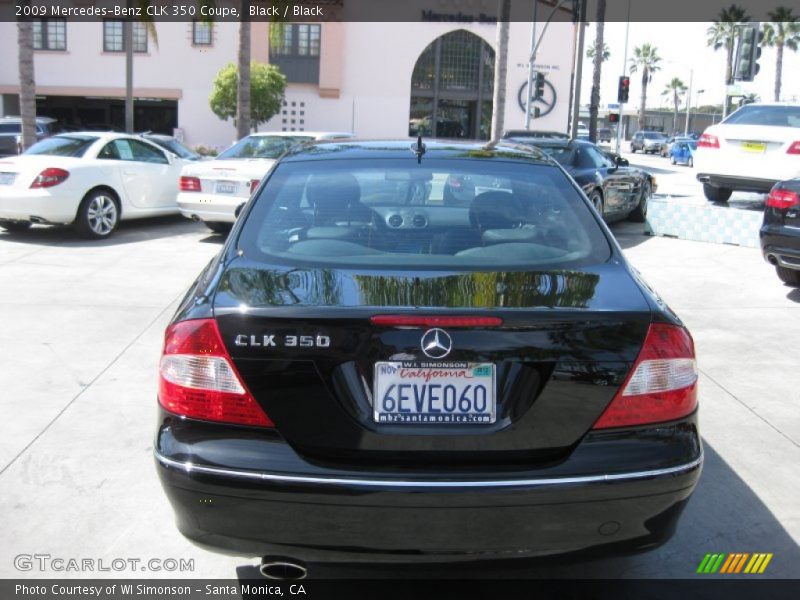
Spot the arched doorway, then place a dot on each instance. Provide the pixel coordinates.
(451, 86)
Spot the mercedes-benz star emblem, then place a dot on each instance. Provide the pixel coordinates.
(436, 343)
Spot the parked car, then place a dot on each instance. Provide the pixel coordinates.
(89, 180)
(682, 152)
(780, 231)
(355, 356)
(750, 151)
(212, 191)
(666, 147)
(11, 133)
(614, 188)
(648, 142)
(605, 134)
(172, 144)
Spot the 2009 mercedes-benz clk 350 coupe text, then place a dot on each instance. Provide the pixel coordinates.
(384, 363)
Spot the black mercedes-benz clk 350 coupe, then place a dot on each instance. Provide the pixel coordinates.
(424, 352)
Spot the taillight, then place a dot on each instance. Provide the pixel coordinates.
(783, 199)
(189, 184)
(434, 321)
(50, 177)
(254, 184)
(662, 386)
(198, 380)
(708, 141)
(794, 148)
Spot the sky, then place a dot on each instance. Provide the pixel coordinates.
(682, 47)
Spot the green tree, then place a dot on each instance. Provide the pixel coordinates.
(722, 34)
(782, 32)
(605, 54)
(645, 60)
(267, 86)
(598, 53)
(676, 88)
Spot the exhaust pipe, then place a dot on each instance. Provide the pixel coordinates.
(282, 567)
(195, 218)
(772, 259)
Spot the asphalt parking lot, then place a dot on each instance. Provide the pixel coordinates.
(81, 327)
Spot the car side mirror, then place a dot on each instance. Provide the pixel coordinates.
(621, 162)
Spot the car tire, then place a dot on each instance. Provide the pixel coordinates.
(633, 149)
(15, 226)
(639, 214)
(691, 163)
(219, 227)
(98, 215)
(716, 194)
(672, 160)
(596, 198)
(788, 276)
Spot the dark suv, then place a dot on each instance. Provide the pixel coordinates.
(11, 133)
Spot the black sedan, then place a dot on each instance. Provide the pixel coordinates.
(367, 372)
(780, 231)
(616, 190)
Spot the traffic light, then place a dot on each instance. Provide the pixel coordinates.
(613, 117)
(623, 91)
(748, 51)
(538, 85)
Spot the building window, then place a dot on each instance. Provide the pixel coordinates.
(50, 34)
(295, 50)
(201, 33)
(114, 36)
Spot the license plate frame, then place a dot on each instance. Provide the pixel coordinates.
(226, 187)
(446, 374)
(7, 178)
(754, 147)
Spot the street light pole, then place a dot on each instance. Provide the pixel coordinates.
(688, 103)
(624, 71)
(531, 67)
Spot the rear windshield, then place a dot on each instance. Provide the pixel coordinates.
(652, 135)
(62, 145)
(441, 214)
(263, 146)
(175, 147)
(10, 128)
(774, 116)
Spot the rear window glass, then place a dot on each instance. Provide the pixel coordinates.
(263, 146)
(74, 146)
(774, 116)
(440, 214)
(10, 128)
(652, 135)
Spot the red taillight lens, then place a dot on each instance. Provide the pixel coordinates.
(49, 178)
(783, 199)
(794, 148)
(189, 184)
(662, 386)
(708, 141)
(254, 184)
(198, 380)
(434, 321)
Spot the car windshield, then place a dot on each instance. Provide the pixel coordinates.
(175, 147)
(454, 214)
(773, 116)
(263, 146)
(63, 145)
(563, 155)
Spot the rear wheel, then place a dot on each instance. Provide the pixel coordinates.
(219, 227)
(633, 149)
(788, 276)
(691, 162)
(716, 194)
(15, 226)
(98, 215)
(639, 214)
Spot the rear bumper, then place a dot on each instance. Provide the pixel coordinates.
(780, 245)
(38, 206)
(321, 514)
(742, 184)
(208, 207)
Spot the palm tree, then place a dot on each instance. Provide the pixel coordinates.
(606, 54)
(677, 89)
(722, 34)
(645, 60)
(600, 53)
(782, 32)
(243, 89)
(27, 83)
(500, 68)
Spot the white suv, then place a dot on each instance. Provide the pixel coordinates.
(751, 150)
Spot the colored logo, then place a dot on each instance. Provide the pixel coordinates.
(737, 562)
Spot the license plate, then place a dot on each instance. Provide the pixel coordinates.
(434, 393)
(226, 187)
(7, 178)
(754, 147)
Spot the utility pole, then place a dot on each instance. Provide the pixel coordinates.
(578, 69)
(624, 72)
(531, 67)
(688, 103)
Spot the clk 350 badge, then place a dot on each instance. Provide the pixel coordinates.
(286, 341)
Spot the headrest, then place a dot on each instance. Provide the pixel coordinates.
(332, 194)
(495, 210)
